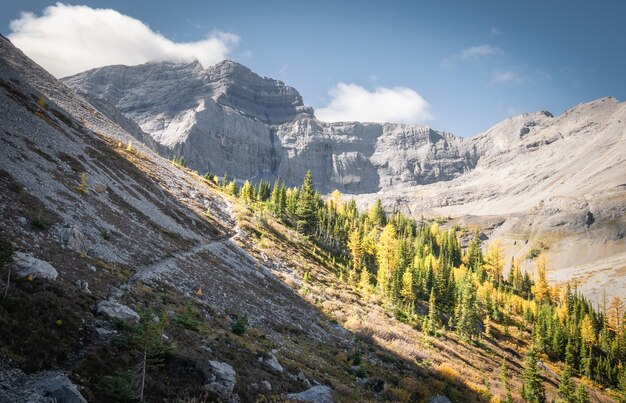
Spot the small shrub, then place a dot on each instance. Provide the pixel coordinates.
(188, 319)
(179, 161)
(240, 325)
(533, 253)
(38, 223)
(106, 235)
(83, 186)
(118, 387)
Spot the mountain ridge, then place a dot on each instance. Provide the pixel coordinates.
(275, 123)
(542, 175)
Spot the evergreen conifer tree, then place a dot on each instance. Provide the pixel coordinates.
(532, 388)
(431, 323)
(506, 382)
(306, 211)
(566, 386)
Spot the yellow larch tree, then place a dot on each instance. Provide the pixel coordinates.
(541, 288)
(494, 260)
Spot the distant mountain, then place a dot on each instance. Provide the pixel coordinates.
(228, 119)
(533, 179)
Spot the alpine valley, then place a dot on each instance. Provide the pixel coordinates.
(171, 232)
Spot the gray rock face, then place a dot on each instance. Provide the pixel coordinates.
(265, 99)
(41, 387)
(272, 363)
(220, 378)
(28, 265)
(228, 119)
(58, 388)
(114, 309)
(70, 236)
(439, 399)
(317, 394)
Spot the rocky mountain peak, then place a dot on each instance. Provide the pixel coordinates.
(262, 98)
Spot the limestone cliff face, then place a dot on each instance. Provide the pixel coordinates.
(228, 119)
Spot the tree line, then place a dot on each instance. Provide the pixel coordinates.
(417, 267)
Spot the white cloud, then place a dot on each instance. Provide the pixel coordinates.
(472, 54)
(69, 39)
(506, 77)
(351, 102)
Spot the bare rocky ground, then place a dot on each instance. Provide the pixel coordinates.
(119, 225)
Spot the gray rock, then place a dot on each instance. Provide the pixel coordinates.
(99, 187)
(22, 221)
(220, 379)
(115, 293)
(114, 309)
(267, 385)
(439, 399)
(83, 286)
(70, 236)
(272, 363)
(28, 265)
(302, 378)
(58, 388)
(41, 387)
(316, 394)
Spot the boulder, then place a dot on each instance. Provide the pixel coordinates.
(114, 309)
(220, 379)
(83, 285)
(28, 265)
(59, 388)
(439, 399)
(316, 394)
(70, 236)
(272, 363)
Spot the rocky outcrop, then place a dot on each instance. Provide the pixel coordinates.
(220, 379)
(439, 399)
(113, 309)
(272, 363)
(70, 236)
(27, 265)
(40, 387)
(316, 394)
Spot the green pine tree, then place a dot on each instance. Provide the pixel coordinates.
(377, 215)
(467, 313)
(247, 193)
(306, 210)
(566, 386)
(506, 382)
(474, 253)
(431, 323)
(532, 387)
(581, 394)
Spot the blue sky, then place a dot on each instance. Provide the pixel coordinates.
(461, 66)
